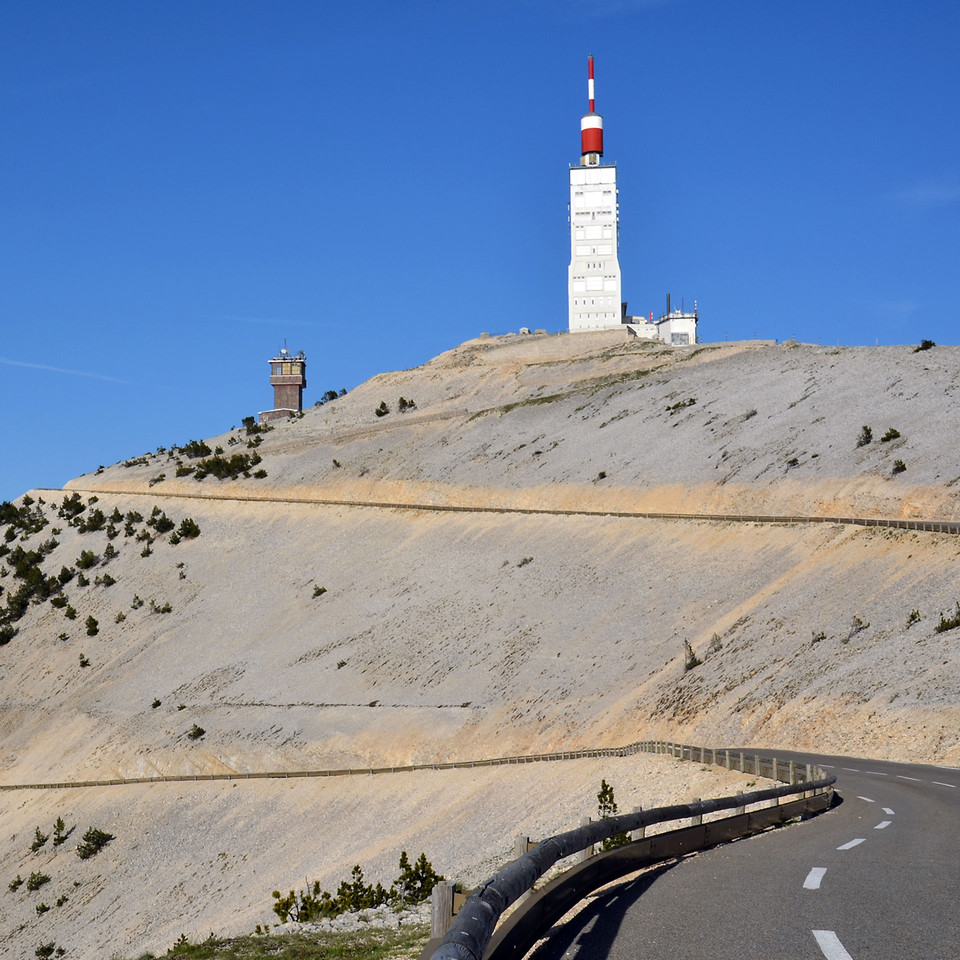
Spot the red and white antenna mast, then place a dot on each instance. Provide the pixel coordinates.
(591, 124)
(590, 96)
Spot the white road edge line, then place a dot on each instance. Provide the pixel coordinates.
(829, 943)
(883, 824)
(813, 878)
(850, 844)
(867, 799)
(900, 776)
(888, 811)
(939, 784)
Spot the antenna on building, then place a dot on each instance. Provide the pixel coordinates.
(590, 97)
(591, 124)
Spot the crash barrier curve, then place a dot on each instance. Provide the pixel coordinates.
(472, 934)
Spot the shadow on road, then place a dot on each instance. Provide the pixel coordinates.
(581, 936)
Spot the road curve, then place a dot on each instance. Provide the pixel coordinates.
(877, 878)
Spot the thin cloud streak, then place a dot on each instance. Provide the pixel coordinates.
(927, 196)
(72, 373)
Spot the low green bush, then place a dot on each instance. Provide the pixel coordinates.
(50, 949)
(414, 884)
(94, 840)
(36, 880)
(949, 623)
(188, 528)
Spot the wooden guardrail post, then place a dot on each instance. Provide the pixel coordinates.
(441, 908)
(520, 846)
(640, 832)
(587, 852)
(697, 818)
(741, 808)
(726, 758)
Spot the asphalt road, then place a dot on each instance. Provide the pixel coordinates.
(876, 878)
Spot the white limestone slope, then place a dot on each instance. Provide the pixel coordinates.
(455, 635)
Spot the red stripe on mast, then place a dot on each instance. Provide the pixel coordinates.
(590, 96)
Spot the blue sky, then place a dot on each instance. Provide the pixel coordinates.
(186, 185)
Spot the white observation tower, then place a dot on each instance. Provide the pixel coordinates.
(594, 273)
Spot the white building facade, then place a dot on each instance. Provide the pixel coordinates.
(594, 273)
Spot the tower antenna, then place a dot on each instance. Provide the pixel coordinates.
(590, 96)
(591, 124)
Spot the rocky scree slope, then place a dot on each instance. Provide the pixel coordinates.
(303, 636)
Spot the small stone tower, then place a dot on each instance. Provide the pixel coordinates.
(288, 377)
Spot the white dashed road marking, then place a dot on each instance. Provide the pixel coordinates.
(851, 844)
(888, 811)
(829, 943)
(939, 784)
(883, 824)
(867, 799)
(813, 878)
(900, 776)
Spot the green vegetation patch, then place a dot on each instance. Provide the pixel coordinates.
(227, 468)
(404, 943)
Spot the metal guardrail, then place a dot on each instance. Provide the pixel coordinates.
(471, 935)
(927, 526)
(343, 772)
(625, 751)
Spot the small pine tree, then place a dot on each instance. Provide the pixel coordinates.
(59, 832)
(606, 808)
(415, 882)
(39, 840)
